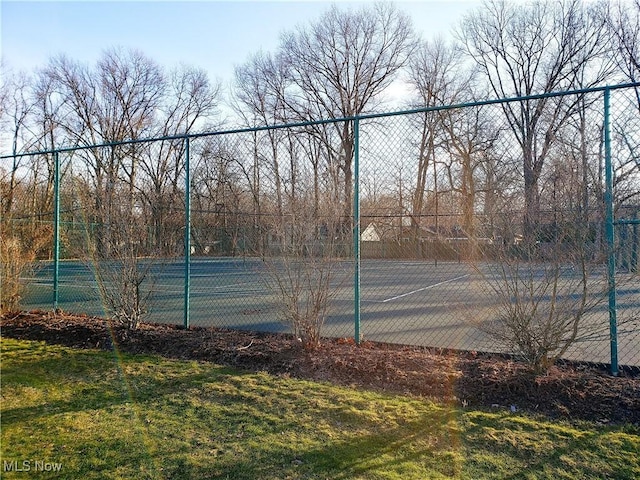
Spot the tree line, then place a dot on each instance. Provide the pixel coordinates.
(464, 170)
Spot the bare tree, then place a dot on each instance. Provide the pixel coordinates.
(190, 101)
(535, 49)
(260, 85)
(15, 108)
(117, 101)
(623, 20)
(431, 73)
(471, 136)
(25, 193)
(338, 67)
(465, 136)
(126, 96)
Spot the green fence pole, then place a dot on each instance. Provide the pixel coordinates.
(635, 240)
(187, 237)
(356, 227)
(56, 230)
(610, 235)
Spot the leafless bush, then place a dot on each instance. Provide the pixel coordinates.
(546, 291)
(15, 264)
(121, 282)
(303, 289)
(124, 265)
(304, 270)
(18, 252)
(125, 279)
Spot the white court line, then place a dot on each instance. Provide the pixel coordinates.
(425, 288)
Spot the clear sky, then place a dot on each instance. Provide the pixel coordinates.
(214, 35)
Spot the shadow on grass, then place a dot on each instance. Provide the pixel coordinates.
(222, 423)
(451, 444)
(551, 450)
(413, 450)
(91, 380)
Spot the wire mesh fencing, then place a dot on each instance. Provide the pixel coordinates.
(481, 234)
(476, 227)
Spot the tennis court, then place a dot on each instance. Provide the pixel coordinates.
(433, 304)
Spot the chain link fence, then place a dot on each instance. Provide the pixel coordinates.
(504, 226)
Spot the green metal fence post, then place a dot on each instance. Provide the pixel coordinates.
(356, 227)
(610, 235)
(187, 237)
(635, 240)
(56, 230)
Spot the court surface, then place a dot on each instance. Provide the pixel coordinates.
(434, 304)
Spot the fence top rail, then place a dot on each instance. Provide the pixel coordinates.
(368, 116)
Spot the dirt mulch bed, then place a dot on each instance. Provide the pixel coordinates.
(570, 391)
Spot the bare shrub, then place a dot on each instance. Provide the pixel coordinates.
(304, 268)
(546, 291)
(15, 264)
(18, 253)
(303, 289)
(125, 280)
